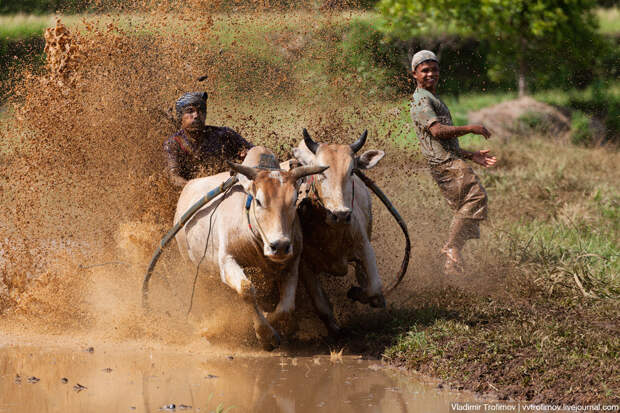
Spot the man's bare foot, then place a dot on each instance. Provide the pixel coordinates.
(454, 265)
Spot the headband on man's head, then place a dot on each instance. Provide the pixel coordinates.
(192, 98)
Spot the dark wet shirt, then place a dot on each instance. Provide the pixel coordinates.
(208, 155)
(427, 109)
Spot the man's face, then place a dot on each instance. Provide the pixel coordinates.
(192, 118)
(427, 74)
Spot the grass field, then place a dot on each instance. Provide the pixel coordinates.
(20, 26)
(17, 26)
(609, 20)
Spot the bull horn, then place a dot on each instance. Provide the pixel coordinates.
(248, 171)
(312, 145)
(357, 145)
(302, 171)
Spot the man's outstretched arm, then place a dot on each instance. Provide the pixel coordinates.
(483, 157)
(441, 131)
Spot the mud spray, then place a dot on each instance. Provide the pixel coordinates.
(84, 195)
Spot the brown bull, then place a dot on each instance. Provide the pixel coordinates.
(227, 236)
(336, 217)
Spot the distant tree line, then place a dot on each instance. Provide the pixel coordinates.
(42, 6)
(76, 6)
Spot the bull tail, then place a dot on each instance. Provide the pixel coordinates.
(401, 222)
(176, 228)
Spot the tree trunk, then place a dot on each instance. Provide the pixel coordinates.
(521, 80)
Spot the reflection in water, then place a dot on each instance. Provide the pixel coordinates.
(118, 381)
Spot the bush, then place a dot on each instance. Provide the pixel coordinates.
(468, 63)
(581, 132)
(42, 6)
(531, 123)
(375, 60)
(602, 105)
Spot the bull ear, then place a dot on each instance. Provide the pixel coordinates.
(369, 159)
(246, 174)
(302, 171)
(312, 145)
(357, 145)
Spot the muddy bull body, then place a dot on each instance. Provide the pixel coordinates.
(336, 217)
(253, 224)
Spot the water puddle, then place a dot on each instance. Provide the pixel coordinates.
(33, 379)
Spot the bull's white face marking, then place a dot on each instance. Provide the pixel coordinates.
(336, 186)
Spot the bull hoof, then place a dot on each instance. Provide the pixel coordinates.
(377, 301)
(338, 333)
(268, 337)
(333, 329)
(268, 347)
(284, 323)
(357, 294)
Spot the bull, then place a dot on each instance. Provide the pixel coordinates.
(254, 224)
(336, 218)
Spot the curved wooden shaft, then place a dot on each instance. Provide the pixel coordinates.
(377, 191)
(176, 228)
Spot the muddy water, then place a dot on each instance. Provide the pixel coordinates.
(141, 380)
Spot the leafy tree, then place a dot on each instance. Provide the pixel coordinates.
(521, 33)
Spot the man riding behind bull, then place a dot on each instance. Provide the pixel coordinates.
(199, 149)
(439, 145)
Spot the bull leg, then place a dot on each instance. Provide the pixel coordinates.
(370, 290)
(320, 301)
(232, 275)
(282, 319)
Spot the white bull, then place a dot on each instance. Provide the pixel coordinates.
(336, 218)
(266, 235)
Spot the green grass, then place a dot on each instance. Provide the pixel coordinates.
(577, 251)
(609, 20)
(21, 26)
(560, 97)
(522, 350)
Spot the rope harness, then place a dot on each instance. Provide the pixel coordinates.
(314, 194)
(261, 234)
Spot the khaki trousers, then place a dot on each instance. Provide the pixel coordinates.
(466, 196)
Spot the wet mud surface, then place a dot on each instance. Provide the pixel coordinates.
(114, 379)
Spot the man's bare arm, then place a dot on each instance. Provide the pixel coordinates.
(440, 131)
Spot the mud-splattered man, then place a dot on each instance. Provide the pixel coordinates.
(198, 148)
(440, 146)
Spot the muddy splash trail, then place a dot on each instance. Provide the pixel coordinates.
(85, 199)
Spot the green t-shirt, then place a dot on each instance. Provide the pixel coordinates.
(427, 109)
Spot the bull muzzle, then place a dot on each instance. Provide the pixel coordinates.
(279, 249)
(340, 216)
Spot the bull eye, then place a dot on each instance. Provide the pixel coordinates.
(258, 203)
